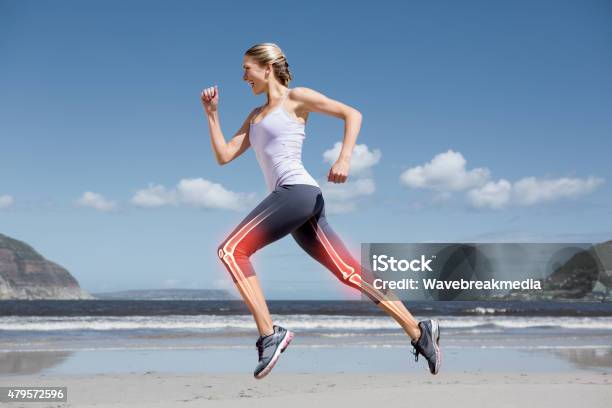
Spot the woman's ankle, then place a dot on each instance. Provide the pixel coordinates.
(414, 332)
(266, 331)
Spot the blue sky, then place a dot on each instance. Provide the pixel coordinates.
(483, 121)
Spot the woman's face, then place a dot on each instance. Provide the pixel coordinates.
(254, 75)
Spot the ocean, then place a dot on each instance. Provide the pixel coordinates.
(79, 335)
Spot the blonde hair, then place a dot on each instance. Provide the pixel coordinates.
(270, 53)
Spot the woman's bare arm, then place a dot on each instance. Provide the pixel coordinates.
(224, 151)
(313, 101)
(240, 142)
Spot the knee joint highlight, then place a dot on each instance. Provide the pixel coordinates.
(222, 253)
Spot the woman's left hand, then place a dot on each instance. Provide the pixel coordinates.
(339, 171)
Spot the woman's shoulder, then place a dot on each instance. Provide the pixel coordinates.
(305, 95)
(300, 92)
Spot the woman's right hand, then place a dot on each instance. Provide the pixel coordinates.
(210, 99)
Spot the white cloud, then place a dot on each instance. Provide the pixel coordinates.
(196, 192)
(362, 158)
(203, 193)
(341, 198)
(340, 207)
(96, 201)
(154, 196)
(445, 172)
(491, 195)
(349, 189)
(6, 201)
(530, 190)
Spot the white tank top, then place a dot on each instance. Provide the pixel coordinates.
(277, 140)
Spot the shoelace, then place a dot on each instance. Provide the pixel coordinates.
(259, 345)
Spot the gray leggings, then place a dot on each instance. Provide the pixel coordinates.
(299, 210)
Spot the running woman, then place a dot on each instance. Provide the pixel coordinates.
(295, 203)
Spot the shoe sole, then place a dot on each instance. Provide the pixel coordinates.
(435, 333)
(281, 348)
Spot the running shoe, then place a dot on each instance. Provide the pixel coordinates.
(269, 348)
(428, 345)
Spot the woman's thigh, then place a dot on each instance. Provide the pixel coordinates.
(281, 212)
(322, 243)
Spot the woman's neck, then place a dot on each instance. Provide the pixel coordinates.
(274, 94)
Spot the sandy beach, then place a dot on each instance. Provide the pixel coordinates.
(467, 389)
